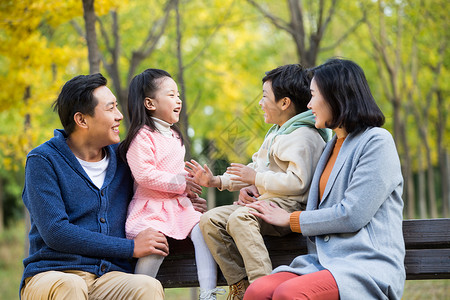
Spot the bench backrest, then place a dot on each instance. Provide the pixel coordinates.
(427, 254)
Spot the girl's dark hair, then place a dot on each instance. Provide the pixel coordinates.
(77, 96)
(141, 86)
(291, 81)
(343, 85)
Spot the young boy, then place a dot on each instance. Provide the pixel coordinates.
(280, 173)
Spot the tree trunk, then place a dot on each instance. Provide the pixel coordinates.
(444, 162)
(114, 71)
(446, 184)
(400, 138)
(421, 188)
(307, 45)
(409, 197)
(27, 126)
(298, 31)
(431, 185)
(91, 36)
(180, 78)
(2, 192)
(142, 52)
(211, 191)
(443, 155)
(392, 67)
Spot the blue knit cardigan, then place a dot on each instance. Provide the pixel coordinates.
(74, 224)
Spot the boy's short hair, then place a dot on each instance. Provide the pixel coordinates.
(77, 96)
(292, 81)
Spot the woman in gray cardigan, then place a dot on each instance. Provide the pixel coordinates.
(353, 219)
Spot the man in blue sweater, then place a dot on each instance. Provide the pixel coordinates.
(77, 190)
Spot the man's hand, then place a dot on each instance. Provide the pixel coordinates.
(199, 204)
(242, 173)
(247, 195)
(202, 175)
(192, 187)
(150, 241)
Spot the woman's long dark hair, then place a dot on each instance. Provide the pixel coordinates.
(141, 86)
(343, 85)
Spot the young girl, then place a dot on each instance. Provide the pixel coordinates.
(155, 151)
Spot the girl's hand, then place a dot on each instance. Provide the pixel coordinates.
(202, 175)
(242, 173)
(270, 213)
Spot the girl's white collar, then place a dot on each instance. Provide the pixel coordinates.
(163, 127)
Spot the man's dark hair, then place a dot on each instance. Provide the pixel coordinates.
(291, 81)
(77, 96)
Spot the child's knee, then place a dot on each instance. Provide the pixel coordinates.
(241, 219)
(205, 220)
(212, 220)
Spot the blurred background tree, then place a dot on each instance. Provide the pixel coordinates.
(218, 52)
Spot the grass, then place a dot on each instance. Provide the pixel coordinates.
(12, 249)
(11, 254)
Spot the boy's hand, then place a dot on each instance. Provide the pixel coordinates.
(242, 173)
(202, 175)
(150, 241)
(247, 195)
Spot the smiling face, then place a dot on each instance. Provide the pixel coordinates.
(166, 104)
(273, 112)
(104, 124)
(319, 106)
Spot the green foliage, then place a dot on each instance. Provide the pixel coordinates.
(227, 46)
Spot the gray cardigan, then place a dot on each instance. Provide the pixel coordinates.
(355, 232)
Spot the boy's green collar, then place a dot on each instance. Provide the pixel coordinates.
(303, 119)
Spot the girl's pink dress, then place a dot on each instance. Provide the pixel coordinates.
(159, 201)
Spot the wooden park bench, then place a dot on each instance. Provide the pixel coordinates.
(427, 254)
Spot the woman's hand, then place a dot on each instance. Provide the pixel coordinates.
(202, 175)
(270, 213)
(242, 173)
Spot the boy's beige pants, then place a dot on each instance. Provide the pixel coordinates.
(235, 239)
(73, 284)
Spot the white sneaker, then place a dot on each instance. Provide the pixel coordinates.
(210, 294)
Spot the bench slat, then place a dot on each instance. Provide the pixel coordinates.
(427, 264)
(433, 233)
